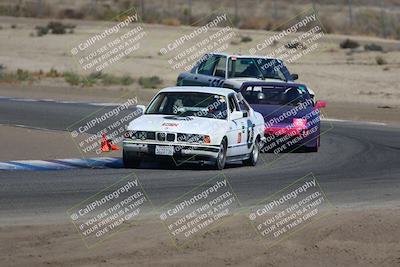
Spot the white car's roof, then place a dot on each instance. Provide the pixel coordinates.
(241, 56)
(200, 89)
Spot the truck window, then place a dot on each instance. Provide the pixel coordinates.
(220, 67)
(207, 66)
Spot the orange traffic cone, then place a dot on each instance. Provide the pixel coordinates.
(105, 148)
(107, 145)
(114, 147)
(104, 143)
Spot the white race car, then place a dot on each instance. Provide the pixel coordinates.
(195, 124)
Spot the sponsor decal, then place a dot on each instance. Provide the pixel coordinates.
(170, 124)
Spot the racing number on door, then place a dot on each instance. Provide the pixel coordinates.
(250, 133)
(216, 83)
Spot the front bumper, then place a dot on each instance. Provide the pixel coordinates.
(181, 151)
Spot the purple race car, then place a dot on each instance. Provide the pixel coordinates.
(292, 119)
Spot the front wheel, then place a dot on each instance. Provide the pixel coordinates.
(255, 152)
(221, 159)
(129, 161)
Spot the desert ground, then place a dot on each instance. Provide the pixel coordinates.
(347, 237)
(353, 84)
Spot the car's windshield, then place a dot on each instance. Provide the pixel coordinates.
(269, 95)
(258, 68)
(189, 104)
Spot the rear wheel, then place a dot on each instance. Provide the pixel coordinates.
(314, 148)
(255, 152)
(129, 160)
(221, 159)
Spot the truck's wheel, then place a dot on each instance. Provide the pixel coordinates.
(221, 159)
(129, 161)
(255, 152)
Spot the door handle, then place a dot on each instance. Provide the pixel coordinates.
(195, 78)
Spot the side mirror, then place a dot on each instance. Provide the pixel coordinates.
(320, 104)
(295, 76)
(141, 107)
(235, 115)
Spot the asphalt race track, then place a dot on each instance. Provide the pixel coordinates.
(358, 165)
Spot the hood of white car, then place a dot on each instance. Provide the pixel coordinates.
(171, 123)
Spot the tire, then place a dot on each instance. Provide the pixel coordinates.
(254, 154)
(129, 161)
(221, 159)
(314, 148)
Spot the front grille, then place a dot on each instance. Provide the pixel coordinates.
(170, 137)
(141, 135)
(161, 136)
(144, 135)
(151, 135)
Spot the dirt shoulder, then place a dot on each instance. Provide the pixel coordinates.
(24, 143)
(20, 143)
(363, 112)
(69, 93)
(345, 238)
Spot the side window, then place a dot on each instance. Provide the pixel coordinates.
(220, 67)
(232, 104)
(207, 67)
